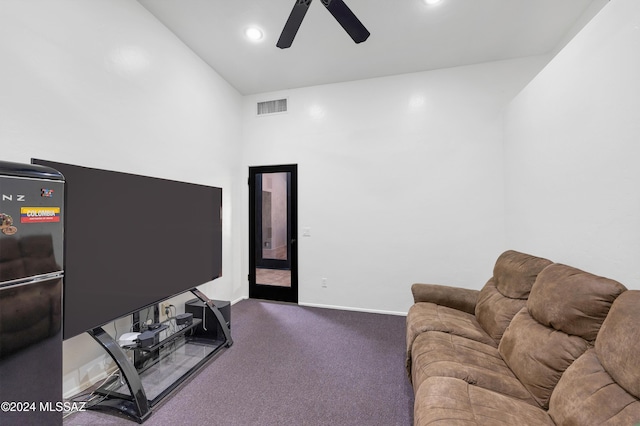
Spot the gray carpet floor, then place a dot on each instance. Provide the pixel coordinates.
(293, 365)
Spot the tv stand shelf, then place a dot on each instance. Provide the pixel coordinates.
(159, 369)
(174, 335)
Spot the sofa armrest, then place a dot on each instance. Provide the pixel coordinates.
(462, 299)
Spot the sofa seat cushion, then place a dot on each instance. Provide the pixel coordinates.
(431, 317)
(449, 401)
(448, 355)
(425, 316)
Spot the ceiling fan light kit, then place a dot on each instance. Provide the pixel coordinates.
(340, 11)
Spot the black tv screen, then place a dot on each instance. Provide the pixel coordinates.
(132, 241)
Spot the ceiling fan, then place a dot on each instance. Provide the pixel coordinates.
(338, 9)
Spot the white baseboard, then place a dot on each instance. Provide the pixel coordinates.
(339, 308)
(348, 308)
(240, 299)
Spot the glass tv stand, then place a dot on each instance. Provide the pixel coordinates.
(151, 372)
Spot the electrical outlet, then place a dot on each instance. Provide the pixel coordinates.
(165, 309)
(324, 282)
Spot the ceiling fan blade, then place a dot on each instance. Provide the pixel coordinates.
(293, 23)
(347, 19)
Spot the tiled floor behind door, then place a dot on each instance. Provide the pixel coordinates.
(275, 277)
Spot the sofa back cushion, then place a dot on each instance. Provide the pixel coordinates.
(563, 314)
(570, 300)
(506, 292)
(603, 385)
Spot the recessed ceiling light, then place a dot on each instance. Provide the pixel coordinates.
(254, 33)
(431, 2)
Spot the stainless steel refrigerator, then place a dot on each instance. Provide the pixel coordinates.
(31, 250)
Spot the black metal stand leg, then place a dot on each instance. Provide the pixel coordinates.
(223, 324)
(138, 406)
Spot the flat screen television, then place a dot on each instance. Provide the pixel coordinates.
(132, 241)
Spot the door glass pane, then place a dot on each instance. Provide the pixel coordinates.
(273, 266)
(274, 216)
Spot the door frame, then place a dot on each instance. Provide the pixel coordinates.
(258, 291)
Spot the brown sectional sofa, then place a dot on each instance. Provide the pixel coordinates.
(540, 343)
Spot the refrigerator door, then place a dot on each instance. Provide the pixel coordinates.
(31, 352)
(31, 224)
(31, 248)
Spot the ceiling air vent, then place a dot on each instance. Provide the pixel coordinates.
(272, 107)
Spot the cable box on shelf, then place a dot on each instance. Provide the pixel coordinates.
(150, 337)
(184, 319)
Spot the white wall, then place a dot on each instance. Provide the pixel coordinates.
(400, 179)
(572, 149)
(102, 83)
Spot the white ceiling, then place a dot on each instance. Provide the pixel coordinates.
(406, 36)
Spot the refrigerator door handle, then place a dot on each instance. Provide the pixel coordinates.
(31, 280)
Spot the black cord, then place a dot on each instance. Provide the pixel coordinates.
(93, 398)
(148, 313)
